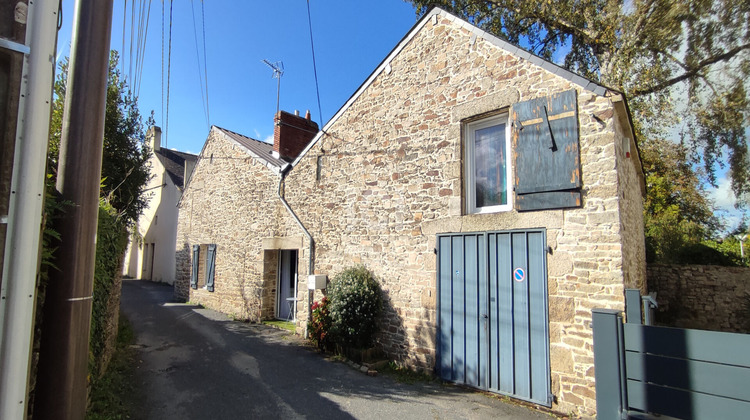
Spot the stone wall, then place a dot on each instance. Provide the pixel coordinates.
(705, 297)
(232, 202)
(387, 177)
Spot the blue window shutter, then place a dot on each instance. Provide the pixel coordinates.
(210, 264)
(546, 156)
(196, 260)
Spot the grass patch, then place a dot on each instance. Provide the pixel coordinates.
(284, 325)
(405, 375)
(114, 395)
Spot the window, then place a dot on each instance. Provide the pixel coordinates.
(204, 263)
(487, 165)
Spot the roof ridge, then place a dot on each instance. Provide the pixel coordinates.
(241, 135)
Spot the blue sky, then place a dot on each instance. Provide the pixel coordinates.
(351, 38)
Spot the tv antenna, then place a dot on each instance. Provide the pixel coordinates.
(278, 71)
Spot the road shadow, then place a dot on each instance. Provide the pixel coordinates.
(196, 363)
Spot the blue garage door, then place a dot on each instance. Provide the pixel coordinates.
(493, 325)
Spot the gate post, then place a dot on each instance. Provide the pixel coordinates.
(609, 365)
(633, 313)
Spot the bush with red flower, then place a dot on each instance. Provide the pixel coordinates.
(320, 325)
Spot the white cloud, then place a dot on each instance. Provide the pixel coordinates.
(723, 196)
(268, 139)
(724, 199)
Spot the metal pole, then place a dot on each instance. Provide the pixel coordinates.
(25, 216)
(62, 384)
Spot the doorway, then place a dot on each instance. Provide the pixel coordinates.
(147, 269)
(493, 322)
(286, 301)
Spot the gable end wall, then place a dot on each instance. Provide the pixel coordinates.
(387, 178)
(231, 201)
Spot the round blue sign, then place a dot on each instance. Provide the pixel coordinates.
(519, 275)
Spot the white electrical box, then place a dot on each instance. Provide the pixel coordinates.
(317, 281)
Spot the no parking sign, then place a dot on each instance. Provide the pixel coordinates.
(519, 274)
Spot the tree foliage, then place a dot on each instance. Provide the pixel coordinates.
(677, 214)
(125, 168)
(655, 51)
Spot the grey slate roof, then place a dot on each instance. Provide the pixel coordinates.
(174, 163)
(260, 149)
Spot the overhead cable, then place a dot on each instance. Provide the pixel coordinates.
(315, 70)
(198, 58)
(205, 67)
(169, 73)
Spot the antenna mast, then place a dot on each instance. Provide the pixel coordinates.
(278, 71)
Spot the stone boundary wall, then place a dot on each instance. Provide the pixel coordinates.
(705, 297)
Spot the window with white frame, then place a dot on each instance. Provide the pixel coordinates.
(487, 168)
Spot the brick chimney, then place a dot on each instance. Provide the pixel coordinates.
(153, 138)
(292, 134)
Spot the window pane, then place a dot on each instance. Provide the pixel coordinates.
(489, 159)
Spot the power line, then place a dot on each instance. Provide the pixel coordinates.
(162, 62)
(139, 34)
(198, 68)
(169, 73)
(130, 54)
(205, 68)
(315, 69)
(122, 51)
(143, 20)
(139, 74)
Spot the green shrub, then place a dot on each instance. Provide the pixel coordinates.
(111, 242)
(703, 254)
(355, 306)
(320, 325)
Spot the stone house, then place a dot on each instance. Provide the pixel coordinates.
(150, 253)
(496, 196)
(229, 218)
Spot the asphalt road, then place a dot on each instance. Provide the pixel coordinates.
(196, 363)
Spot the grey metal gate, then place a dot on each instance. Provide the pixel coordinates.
(493, 325)
(676, 372)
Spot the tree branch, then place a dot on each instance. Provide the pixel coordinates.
(690, 73)
(549, 20)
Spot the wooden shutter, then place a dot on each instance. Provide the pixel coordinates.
(196, 261)
(210, 264)
(546, 156)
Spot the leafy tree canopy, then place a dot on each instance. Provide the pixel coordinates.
(655, 51)
(125, 167)
(677, 214)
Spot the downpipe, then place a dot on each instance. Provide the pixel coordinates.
(311, 257)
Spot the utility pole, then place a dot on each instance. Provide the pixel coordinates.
(63, 359)
(25, 128)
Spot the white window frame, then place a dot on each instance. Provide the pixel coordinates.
(470, 129)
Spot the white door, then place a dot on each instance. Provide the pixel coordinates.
(286, 286)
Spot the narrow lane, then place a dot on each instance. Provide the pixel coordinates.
(195, 363)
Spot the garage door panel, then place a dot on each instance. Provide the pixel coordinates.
(498, 313)
(459, 310)
(445, 293)
(538, 325)
(522, 361)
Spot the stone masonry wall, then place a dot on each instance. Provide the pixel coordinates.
(630, 201)
(231, 201)
(705, 297)
(390, 179)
